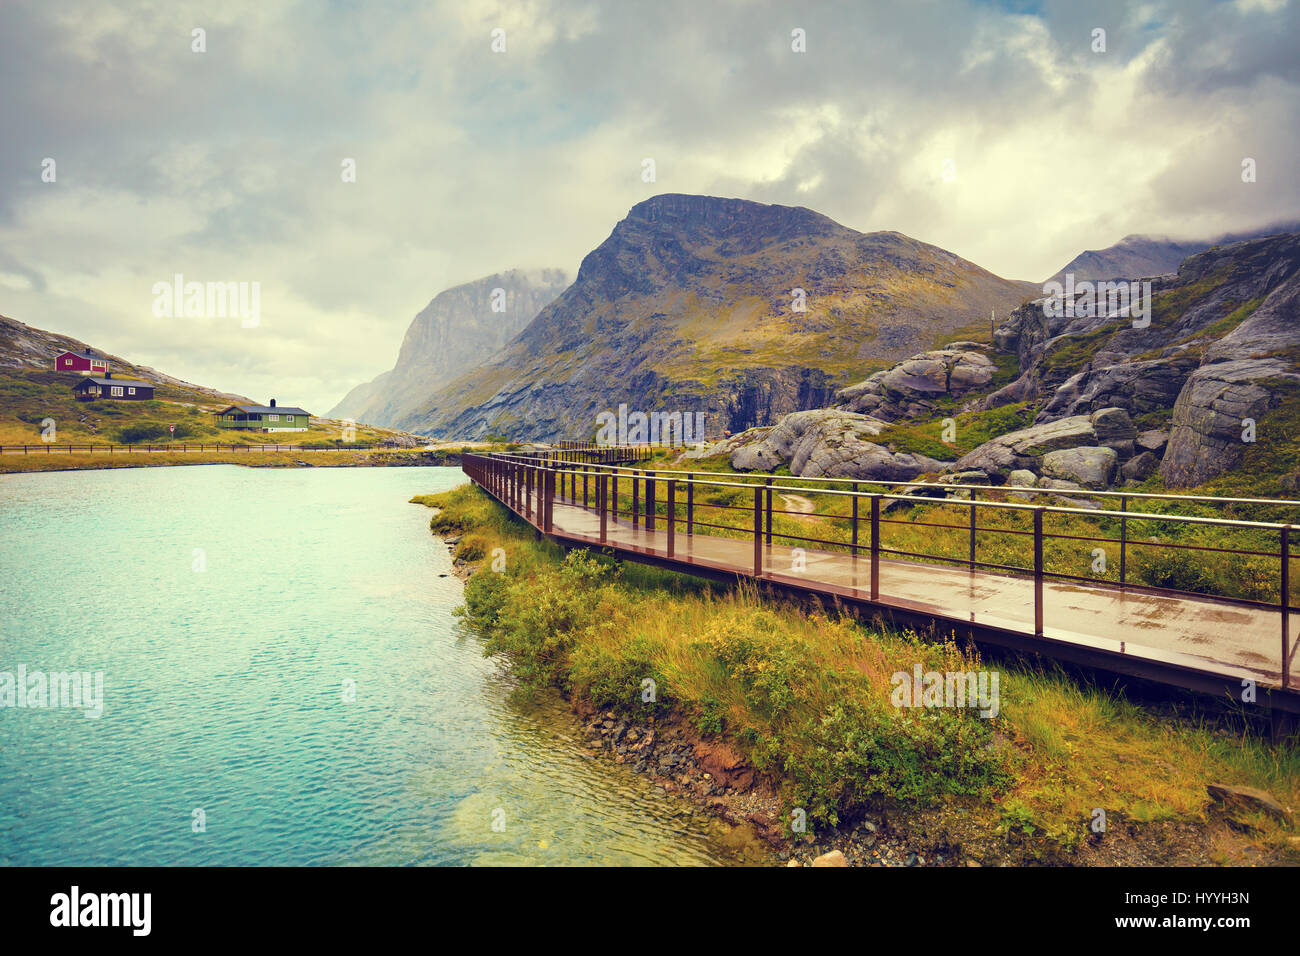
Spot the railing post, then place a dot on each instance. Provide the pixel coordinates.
(758, 530)
(1123, 539)
(972, 529)
(602, 492)
(672, 513)
(585, 471)
(636, 501)
(650, 501)
(690, 507)
(875, 547)
(1286, 605)
(769, 510)
(855, 519)
(614, 498)
(1038, 571)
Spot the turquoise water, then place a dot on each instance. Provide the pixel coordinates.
(230, 610)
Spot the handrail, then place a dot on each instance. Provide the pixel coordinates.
(530, 483)
(1019, 489)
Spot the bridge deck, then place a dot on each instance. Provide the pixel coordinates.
(1214, 637)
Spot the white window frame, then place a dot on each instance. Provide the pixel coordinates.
(273, 418)
(116, 390)
(130, 391)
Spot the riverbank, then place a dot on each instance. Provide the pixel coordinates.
(782, 717)
(91, 461)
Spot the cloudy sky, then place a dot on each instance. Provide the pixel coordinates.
(994, 130)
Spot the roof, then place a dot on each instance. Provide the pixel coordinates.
(114, 381)
(84, 353)
(266, 410)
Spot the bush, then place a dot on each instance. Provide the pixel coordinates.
(141, 432)
(860, 754)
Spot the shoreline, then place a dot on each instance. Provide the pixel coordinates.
(711, 770)
(326, 459)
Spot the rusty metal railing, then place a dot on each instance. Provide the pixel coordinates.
(589, 477)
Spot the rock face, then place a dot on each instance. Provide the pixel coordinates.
(1239, 381)
(1210, 419)
(909, 389)
(462, 327)
(689, 306)
(828, 443)
(1027, 448)
(1136, 387)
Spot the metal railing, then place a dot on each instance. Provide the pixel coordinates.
(590, 477)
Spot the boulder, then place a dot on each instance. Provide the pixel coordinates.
(1205, 438)
(1022, 449)
(1091, 466)
(830, 443)
(833, 858)
(1247, 799)
(1022, 478)
(911, 387)
(1140, 467)
(1153, 440)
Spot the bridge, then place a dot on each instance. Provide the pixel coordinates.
(721, 527)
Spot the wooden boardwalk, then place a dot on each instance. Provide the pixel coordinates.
(1201, 643)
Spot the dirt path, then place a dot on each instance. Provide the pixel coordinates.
(797, 503)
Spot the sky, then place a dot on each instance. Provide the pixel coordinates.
(999, 131)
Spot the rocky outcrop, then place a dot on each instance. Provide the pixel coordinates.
(1214, 415)
(829, 443)
(1136, 387)
(1025, 449)
(910, 389)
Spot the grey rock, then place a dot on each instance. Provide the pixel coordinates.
(1022, 477)
(831, 443)
(1140, 467)
(1021, 449)
(1153, 440)
(1205, 439)
(1092, 467)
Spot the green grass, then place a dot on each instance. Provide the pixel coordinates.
(806, 696)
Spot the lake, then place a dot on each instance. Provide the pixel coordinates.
(283, 684)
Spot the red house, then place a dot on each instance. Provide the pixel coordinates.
(87, 362)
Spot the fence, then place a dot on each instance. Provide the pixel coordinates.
(674, 501)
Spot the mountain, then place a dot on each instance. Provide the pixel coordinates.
(689, 306)
(457, 330)
(1197, 387)
(1135, 257)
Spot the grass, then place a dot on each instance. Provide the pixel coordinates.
(806, 696)
(29, 399)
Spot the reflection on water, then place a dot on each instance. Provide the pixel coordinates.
(279, 653)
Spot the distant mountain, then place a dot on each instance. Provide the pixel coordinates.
(689, 306)
(458, 330)
(1135, 257)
